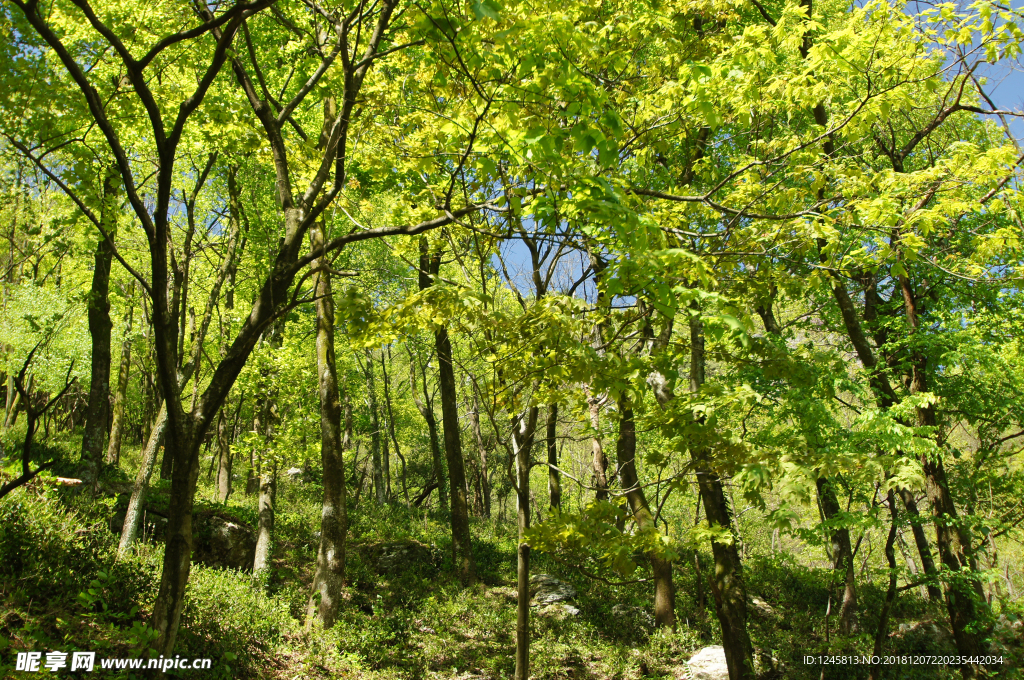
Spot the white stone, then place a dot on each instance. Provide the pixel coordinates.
(709, 664)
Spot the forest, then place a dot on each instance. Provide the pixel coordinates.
(484, 339)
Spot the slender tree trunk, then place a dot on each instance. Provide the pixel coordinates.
(167, 465)
(600, 458)
(842, 556)
(385, 456)
(224, 458)
(117, 421)
(462, 548)
(391, 423)
(12, 403)
(727, 583)
(371, 392)
(842, 549)
(265, 530)
(923, 547)
(881, 633)
(625, 453)
(965, 599)
(137, 502)
(329, 578)
(554, 478)
(952, 539)
(99, 330)
(485, 482)
(426, 409)
(523, 428)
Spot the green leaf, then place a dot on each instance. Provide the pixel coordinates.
(486, 8)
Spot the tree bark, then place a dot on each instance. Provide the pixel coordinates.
(224, 458)
(923, 547)
(13, 401)
(462, 549)
(842, 549)
(600, 458)
(117, 419)
(426, 409)
(842, 556)
(952, 539)
(523, 429)
(371, 396)
(485, 482)
(625, 454)
(890, 594)
(99, 330)
(727, 583)
(133, 516)
(265, 530)
(391, 423)
(329, 578)
(554, 478)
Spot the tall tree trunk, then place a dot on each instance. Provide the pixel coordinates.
(391, 423)
(117, 420)
(462, 549)
(137, 502)
(11, 407)
(485, 482)
(99, 331)
(426, 409)
(625, 453)
(167, 464)
(923, 547)
(385, 456)
(329, 578)
(265, 529)
(952, 538)
(890, 594)
(600, 458)
(727, 584)
(554, 478)
(523, 428)
(842, 549)
(842, 555)
(371, 395)
(224, 457)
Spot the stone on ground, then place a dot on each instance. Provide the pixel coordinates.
(546, 589)
(709, 664)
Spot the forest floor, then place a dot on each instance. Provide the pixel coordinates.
(62, 589)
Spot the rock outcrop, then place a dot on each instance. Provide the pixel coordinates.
(223, 542)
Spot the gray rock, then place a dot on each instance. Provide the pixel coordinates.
(398, 556)
(557, 611)
(546, 589)
(761, 608)
(221, 542)
(709, 664)
(929, 630)
(637, 615)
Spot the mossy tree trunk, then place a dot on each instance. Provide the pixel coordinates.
(329, 578)
(117, 417)
(625, 453)
(100, 326)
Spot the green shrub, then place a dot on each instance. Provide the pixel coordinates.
(227, 620)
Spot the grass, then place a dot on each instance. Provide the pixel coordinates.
(62, 589)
